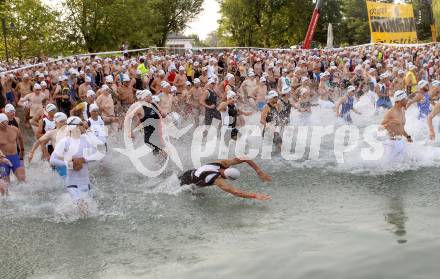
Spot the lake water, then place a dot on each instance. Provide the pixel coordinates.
(325, 220)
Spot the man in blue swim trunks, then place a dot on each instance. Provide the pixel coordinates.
(3, 177)
(8, 145)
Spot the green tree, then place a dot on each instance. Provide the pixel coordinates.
(266, 23)
(106, 24)
(32, 28)
(173, 16)
(423, 14)
(97, 24)
(355, 25)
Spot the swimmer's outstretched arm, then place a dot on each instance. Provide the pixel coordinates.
(236, 161)
(414, 100)
(41, 142)
(221, 183)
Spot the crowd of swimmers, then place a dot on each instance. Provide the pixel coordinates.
(65, 103)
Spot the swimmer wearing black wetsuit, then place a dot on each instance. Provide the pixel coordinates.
(149, 114)
(217, 173)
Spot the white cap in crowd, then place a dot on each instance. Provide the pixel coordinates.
(51, 108)
(422, 84)
(90, 93)
(231, 95)
(9, 108)
(400, 95)
(156, 99)
(272, 94)
(93, 107)
(60, 116)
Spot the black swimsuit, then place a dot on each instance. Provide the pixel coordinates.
(189, 176)
(150, 113)
(210, 114)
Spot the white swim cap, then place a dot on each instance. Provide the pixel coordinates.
(231, 95)
(60, 116)
(93, 107)
(43, 83)
(325, 74)
(37, 86)
(125, 78)
(173, 89)
(422, 83)
(74, 120)
(105, 87)
(164, 84)
(156, 99)
(90, 93)
(272, 94)
(51, 107)
(351, 88)
(140, 94)
(436, 83)
(109, 79)
(384, 75)
(196, 81)
(9, 108)
(262, 79)
(87, 79)
(188, 83)
(232, 173)
(400, 95)
(229, 76)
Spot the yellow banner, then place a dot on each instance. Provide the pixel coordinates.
(392, 23)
